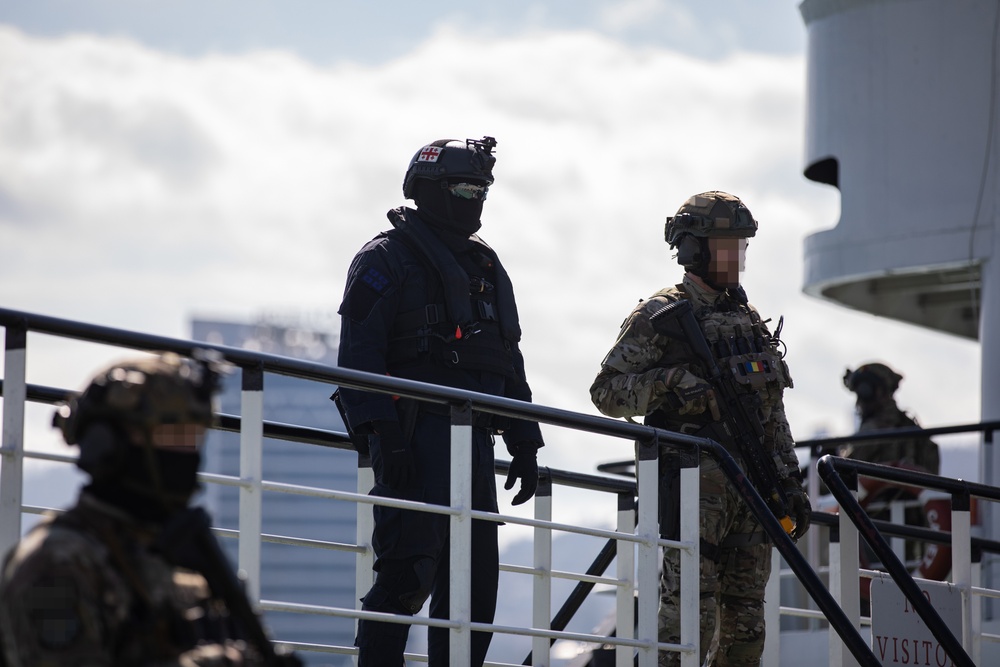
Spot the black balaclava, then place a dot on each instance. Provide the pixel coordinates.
(148, 483)
(443, 210)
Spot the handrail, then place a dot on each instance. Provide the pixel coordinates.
(649, 438)
(831, 468)
(816, 444)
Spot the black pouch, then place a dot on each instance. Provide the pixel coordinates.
(360, 442)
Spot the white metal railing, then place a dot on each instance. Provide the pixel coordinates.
(636, 534)
(845, 572)
(633, 537)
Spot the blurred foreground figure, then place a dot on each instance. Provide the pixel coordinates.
(131, 575)
(428, 300)
(655, 371)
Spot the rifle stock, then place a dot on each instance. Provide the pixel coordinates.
(740, 427)
(187, 541)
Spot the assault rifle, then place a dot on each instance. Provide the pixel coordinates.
(187, 541)
(740, 426)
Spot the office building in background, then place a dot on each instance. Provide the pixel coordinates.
(313, 576)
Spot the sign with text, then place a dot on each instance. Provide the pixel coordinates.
(899, 635)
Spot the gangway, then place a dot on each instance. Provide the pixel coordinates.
(636, 538)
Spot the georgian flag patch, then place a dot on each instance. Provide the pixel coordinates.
(429, 154)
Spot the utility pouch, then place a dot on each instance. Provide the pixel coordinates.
(360, 442)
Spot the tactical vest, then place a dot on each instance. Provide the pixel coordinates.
(743, 347)
(468, 320)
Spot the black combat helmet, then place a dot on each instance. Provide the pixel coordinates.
(453, 160)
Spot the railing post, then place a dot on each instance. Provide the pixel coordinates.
(625, 596)
(12, 460)
(897, 514)
(542, 581)
(813, 484)
(844, 578)
(647, 476)
(365, 524)
(460, 549)
(772, 613)
(690, 533)
(977, 608)
(251, 476)
(961, 560)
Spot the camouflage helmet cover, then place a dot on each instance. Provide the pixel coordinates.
(143, 393)
(874, 372)
(452, 159)
(710, 214)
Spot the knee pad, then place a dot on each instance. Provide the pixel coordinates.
(401, 587)
(742, 654)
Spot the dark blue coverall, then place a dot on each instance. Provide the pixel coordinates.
(395, 322)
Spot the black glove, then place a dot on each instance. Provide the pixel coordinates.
(523, 466)
(397, 460)
(798, 506)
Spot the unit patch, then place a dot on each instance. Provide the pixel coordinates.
(429, 154)
(374, 279)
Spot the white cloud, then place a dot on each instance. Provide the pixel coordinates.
(137, 188)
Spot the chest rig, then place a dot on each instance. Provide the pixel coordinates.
(468, 318)
(743, 346)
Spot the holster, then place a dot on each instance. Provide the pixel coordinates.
(359, 441)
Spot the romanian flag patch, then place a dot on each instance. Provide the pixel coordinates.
(754, 367)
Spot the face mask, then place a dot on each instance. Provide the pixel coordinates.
(153, 484)
(450, 208)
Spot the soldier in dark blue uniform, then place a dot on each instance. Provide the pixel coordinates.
(428, 300)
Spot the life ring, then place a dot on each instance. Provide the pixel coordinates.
(935, 564)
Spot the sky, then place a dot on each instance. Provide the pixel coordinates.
(164, 161)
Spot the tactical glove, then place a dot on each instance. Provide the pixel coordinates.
(688, 393)
(523, 466)
(397, 460)
(798, 506)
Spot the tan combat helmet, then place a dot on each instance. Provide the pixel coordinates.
(709, 214)
(134, 396)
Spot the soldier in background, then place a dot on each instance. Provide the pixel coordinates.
(647, 374)
(875, 385)
(99, 584)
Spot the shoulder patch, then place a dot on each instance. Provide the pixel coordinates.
(374, 279)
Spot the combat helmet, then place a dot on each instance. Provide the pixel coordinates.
(451, 159)
(863, 380)
(710, 214)
(134, 396)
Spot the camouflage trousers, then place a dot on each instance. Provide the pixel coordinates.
(732, 581)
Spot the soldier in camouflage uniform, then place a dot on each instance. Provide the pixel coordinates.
(92, 586)
(875, 384)
(649, 375)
